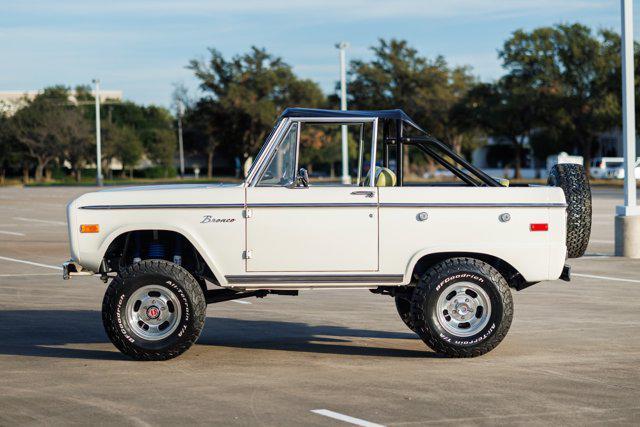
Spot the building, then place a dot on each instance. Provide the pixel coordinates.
(12, 100)
(498, 152)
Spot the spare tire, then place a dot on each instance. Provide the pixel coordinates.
(575, 184)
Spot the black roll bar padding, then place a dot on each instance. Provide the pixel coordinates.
(385, 146)
(457, 172)
(475, 171)
(422, 142)
(430, 152)
(483, 176)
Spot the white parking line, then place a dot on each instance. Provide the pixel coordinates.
(44, 221)
(11, 233)
(29, 274)
(615, 279)
(597, 256)
(237, 301)
(37, 264)
(345, 418)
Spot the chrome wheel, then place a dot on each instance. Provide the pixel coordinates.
(153, 312)
(464, 309)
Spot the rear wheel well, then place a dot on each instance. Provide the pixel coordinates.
(133, 246)
(511, 275)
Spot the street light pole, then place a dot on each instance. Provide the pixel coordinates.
(342, 46)
(98, 136)
(180, 145)
(628, 216)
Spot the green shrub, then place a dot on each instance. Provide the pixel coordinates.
(156, 172)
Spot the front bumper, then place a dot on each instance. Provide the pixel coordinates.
(71, 268)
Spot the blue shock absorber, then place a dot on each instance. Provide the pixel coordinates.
(155, 251)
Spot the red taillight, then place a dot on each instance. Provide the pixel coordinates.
(539, 227)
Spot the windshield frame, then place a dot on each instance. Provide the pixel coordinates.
(260, 156)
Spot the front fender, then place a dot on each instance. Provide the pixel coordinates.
(92, 260)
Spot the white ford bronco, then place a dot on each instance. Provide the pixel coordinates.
(448, 251)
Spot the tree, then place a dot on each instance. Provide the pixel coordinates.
(571, 72)
(13, 154)
(451, 128)
(130, 149)
(506, 109)
(77, 139)
(8, 152)
(245, 96)
(44, 127)
(122, 143)
(110, 142)
(160, 145)
(320, 145)
(427, 90)
(204, 130)
(130, 131)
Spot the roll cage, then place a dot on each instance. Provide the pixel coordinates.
(398, 131)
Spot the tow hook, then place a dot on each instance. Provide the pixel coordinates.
(566, 273)
(70, 269)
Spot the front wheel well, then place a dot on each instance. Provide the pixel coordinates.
(511, 275)
(134, 246)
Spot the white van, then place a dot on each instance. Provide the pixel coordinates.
(611, 168)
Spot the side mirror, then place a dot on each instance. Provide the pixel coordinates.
(303, 178)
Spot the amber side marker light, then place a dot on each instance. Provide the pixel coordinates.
(539, 227)
(89, 228)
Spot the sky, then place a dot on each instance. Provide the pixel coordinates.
(142, 46)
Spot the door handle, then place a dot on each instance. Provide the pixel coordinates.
(363, 193)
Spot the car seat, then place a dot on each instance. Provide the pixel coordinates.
(385, 177)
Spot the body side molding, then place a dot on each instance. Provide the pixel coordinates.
(321, 278)
(327, 205)
(474, 205)
(165, 206)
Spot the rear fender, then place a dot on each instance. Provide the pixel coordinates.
(531, 262)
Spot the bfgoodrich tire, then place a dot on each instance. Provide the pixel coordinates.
(462, 307)
(575, 184)
(153, 310)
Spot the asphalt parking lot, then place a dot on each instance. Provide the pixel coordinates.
(572, 355)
